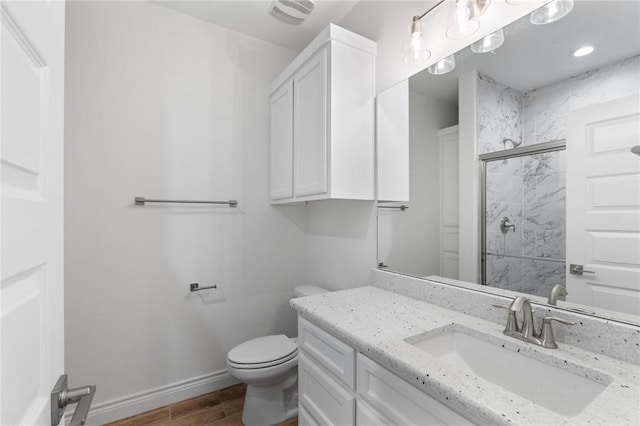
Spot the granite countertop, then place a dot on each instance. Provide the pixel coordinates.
(376, 322)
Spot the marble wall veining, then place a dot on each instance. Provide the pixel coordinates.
(544, 110)
(539, 115)
(499, 115)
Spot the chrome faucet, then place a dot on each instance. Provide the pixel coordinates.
(556, 292)
(527, 331)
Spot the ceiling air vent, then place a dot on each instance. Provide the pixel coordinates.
(291, 11)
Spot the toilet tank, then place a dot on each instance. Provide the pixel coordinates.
(308, 290)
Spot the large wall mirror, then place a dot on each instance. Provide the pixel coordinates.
(545, 200)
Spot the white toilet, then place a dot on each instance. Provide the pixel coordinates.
(268, 365)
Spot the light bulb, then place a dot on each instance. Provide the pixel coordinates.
(443, 66)
(461, 22)
(415, 45)
(415, 49)
(551, 12)
(462, 13)
(489, 43)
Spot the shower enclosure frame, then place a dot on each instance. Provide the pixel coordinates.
(505, 154)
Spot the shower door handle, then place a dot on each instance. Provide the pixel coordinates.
(576, 269)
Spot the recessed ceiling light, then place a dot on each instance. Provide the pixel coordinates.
(583, 51)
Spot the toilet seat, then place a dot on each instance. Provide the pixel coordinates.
(262, 352)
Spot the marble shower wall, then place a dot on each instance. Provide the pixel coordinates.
(530, 191)
(544, 110)
(499, 115)
(539, 115)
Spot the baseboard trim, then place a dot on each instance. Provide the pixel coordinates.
(119, 408)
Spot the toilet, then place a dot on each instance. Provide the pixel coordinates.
(268, 365)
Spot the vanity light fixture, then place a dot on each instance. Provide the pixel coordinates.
(489, 43)
(583, 51)
(463, 19)
(551, 12)
(443, 66)
(416, 50)
(416, 47)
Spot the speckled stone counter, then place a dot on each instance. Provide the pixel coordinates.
(380, 323)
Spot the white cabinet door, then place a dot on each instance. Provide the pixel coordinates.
(281, 137)
(603, 202)
(392, 138)
(31, 312)
(325, 400)
(310, 126)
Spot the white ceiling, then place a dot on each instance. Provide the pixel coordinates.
(531, 57)
(250, 17)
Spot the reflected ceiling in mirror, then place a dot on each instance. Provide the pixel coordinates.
(531, 57)
(534, 56)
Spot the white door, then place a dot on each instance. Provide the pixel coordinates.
(603, 205)
(31, 163)
(449, 228)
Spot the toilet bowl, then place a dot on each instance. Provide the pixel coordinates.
(268, 365)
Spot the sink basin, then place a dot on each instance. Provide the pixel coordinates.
(552, 387)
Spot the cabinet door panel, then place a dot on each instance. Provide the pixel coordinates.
(401, 402)
(327, 401)
(282, 142)
(310, 127)
(367, 416)
(334, 355)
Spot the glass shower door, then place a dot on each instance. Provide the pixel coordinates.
(523, 219)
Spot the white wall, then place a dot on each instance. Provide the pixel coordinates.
(340, 243)
(413, 236)
(162, 105)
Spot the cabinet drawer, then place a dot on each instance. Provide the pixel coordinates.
(401, 402)
(322, 398)
(337, 357)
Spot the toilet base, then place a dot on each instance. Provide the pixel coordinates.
(268, 405)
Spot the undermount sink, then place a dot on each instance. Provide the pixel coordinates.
(552, 387)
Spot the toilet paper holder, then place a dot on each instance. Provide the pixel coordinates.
(196, 287)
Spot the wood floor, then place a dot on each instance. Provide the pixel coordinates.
(223, 407)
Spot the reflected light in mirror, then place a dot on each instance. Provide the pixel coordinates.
(489, 43)
(583, 51)
(443, 66)
(551, 12)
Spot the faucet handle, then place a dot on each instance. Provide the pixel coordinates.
(547, 339)
(512, 322)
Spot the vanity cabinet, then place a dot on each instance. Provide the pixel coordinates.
(322, 121)
(339, 386)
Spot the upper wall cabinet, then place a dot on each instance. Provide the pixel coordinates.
(322, 121)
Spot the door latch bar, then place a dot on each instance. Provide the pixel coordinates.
(61, 396)
(576, 269)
